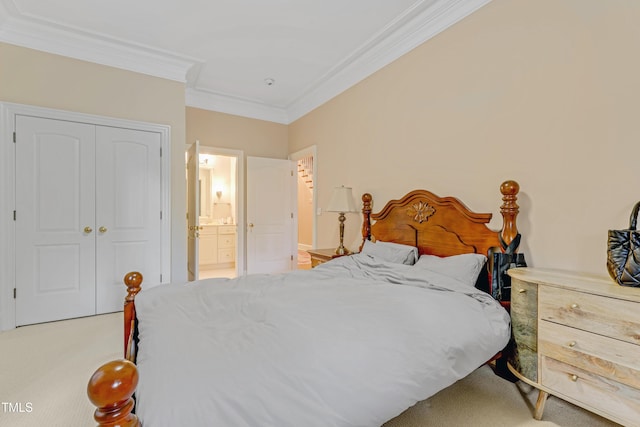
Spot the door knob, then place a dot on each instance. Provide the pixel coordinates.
(102, 229)
(250, 225)
(88, 229)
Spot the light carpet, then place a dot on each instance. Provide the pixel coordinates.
(46, 367)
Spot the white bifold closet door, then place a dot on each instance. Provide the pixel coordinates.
(88, 206)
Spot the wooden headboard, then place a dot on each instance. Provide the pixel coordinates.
(441, 226)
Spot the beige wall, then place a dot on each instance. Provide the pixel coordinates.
(541, 91)
(41, 79)
(254, 137)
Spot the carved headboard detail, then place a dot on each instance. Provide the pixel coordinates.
(421, 211)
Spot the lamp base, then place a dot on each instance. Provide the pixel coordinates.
(342, 251)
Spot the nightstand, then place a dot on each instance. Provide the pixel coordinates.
(318, 256)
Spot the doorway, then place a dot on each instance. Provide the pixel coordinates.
(218, 238)
(306, 160)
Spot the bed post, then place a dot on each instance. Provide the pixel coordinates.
(113, 384)
(366, 213)
(509, 210)
(110, 389)
(133, 281)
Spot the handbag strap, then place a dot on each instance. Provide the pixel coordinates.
(634, 216)
(511, 247)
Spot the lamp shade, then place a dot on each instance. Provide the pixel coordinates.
(342, 200)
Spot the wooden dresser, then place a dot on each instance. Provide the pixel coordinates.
(577, 337)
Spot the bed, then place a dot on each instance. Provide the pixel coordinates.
(352, 342)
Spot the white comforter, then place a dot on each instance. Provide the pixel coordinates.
(352, 342)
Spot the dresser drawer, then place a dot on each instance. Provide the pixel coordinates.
(227, 229)
(524, 320)
(208, 230)
(610, 358)
(226, 255)
(226, 241)
(524, 312)
(611, 317)
(598, 394)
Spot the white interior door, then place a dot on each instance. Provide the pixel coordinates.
(193, 209)
(55, 216)
(128, 211)
(271, 215)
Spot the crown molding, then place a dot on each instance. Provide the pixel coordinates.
(423, 21)
(384, 49)
(223, 103)
(26, 31)
(419, 24)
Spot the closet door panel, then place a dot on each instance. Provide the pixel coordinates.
(55, 251)
(128, 204)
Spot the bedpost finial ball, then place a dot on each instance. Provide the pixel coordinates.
(510, 188)
(110, 389)
(133, 279)
(115, 381)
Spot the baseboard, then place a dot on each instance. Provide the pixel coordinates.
(303, 247)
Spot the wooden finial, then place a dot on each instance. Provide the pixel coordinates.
(110, 389)
(366, 213)
(509, 210)
(133, 281)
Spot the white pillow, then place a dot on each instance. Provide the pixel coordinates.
(391, 252)
(465, 267)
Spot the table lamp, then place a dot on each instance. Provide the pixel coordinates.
(342, 202)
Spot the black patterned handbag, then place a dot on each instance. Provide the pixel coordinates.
(623, 253)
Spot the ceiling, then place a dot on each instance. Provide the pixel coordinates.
(227, 51)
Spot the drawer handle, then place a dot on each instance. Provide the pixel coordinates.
(574, 378)
(522, 291)
(572, 344)
(574, 306)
